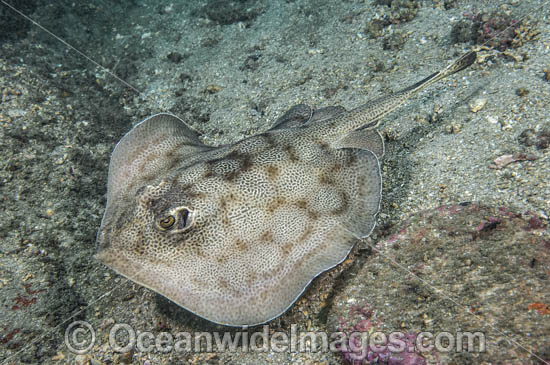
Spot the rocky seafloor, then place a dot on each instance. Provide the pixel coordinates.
(462, 242)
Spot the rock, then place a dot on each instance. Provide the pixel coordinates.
(175, 57)
(540, 139)
(395, 41)
(522, 91)
(453, 269)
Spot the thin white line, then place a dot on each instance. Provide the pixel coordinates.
(71, 47)
(131, 87)
(440, 292)
(51, 330)
(117, 286)
(512, 25)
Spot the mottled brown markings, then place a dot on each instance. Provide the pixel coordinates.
(322, 144)
(301, 203)
(157, 140)
(275, 204)
(143, 179)
(198, 251)
(172, 152)
(224, 202)
(208, 172)
(223, 283)
(244, 161)
(351, 160)
(335, 167)
(286, 249)
(326, 178)
(231, 175)
(173, 157)
(186, 187)
(241, 245)
(305, 235)
(234, 155)
(362, 188)
(263, 296)
(312, 215)
(149, 159)
(198, 282)
(267, 236)
(252, 278)
(299, 262)
(119, 221)
(221, 259)
(175, 181)
(270, 274)
(291, 153)
(229, 198)
(173, 162)
(139, 249)
(210, 164)
(272, 172)
(214, 161)
(344, 206)
(225, 220)
(226, 285)
(268, 139)
(139, 246)
(141, 190)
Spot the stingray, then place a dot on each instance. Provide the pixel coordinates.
(236, 233)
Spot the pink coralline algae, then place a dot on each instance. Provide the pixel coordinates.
(361, 349)
(494, 30)
(402, 354)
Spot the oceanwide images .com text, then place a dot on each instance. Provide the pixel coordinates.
(80, 338)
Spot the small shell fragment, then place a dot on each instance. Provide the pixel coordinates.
(477, 105)
(504, 160)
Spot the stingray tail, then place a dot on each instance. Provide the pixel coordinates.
(459, 65)
(369, 115)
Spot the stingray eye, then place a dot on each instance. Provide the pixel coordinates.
(176, 220)
(167, 222)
